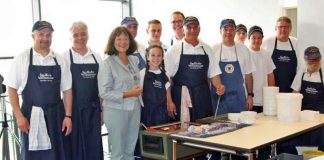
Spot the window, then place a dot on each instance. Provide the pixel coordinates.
(100, 16)
(15, 30)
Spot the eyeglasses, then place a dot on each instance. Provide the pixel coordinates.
(283, 27)
(177, 22)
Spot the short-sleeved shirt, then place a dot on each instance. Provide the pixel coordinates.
(264, 66)
(229, 54)
(269, 43)
(172, 57)
(17, 78)
(314, 77)
(79, 59)
(174, 40)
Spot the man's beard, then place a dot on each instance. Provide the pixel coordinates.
(313, 67)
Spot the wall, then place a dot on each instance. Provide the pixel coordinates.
(310, 24)
(210, 13)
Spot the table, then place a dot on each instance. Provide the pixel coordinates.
(266, 131)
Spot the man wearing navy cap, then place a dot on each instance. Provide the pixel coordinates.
(309, 82)
(263, 75)
(190, 65)
(132, 26)
(42, 118)
(241, 33)
(236, 64)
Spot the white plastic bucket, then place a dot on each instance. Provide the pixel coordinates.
(269, 100)
(288, 106)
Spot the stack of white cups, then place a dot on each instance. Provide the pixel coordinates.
(269, 100)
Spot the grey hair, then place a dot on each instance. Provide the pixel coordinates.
(79, 24)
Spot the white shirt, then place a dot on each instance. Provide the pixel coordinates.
(79, 59)
(174, 40)
(18, 75)
(264, 66)
(228, 54)
(314, 77)
(269, 43)
(141, 49)
(172, 57)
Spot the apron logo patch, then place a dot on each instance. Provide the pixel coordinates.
(229, 68)
(311, 90)
(284, 59)
(195, 65)
(157, 84)
(45, 77)
(88, 74)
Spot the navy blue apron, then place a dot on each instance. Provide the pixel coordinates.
(43, 89)
(86, 132)
(313, 99)
(313, 94)
(154, 111)
(193, 73)
(286, 66)
(141, 63)
(233, 100)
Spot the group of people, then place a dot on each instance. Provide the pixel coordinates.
(150, 84)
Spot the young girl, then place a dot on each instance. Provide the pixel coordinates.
(155, 85)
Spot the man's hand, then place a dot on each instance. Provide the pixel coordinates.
(220, 90)
(23, 124)
(249, 103)
(67, 126)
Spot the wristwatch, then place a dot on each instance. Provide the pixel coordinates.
(251, 94)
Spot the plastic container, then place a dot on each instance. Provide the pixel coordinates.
(288, 106)
(233, 116)
(269, 100)
(248, 117)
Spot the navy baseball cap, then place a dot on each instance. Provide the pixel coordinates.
(312, 53)
(241, 26)
(129, 21)
(255, 29)
(39, 25)
(227, 22)
(190, 20)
